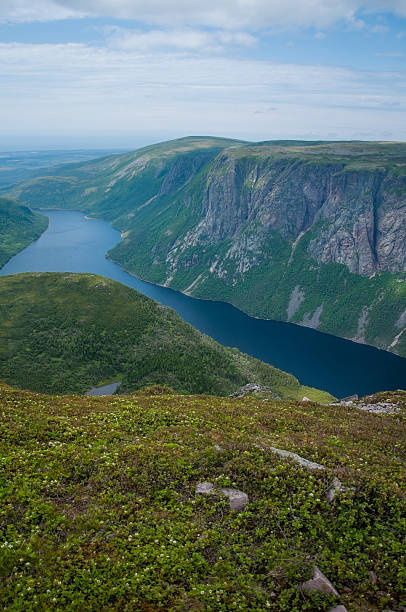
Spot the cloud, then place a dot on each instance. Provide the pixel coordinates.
(16, 11)
(224, 14)
(177, 40)
(80, 89)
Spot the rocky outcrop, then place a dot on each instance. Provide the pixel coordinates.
(254, 388)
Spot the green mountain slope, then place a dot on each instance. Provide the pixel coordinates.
(18, 227)
(99, 509)
(68, 332)
(312, 233)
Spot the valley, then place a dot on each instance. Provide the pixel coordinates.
(307, 232)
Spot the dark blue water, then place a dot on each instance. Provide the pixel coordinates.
(73, 243)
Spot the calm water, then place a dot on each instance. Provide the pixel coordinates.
(73, 243)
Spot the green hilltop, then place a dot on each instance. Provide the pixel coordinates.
(65, 333)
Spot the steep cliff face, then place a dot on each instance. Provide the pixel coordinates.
(310, 233)
(361, 215)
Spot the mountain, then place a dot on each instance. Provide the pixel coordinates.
(101, 507)
(312, 233)
(66, 332)
(19, 226)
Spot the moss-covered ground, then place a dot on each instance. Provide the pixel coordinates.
(98, 507)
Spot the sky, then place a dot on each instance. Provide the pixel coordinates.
(126, 73)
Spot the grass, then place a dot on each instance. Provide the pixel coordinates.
(99, 512)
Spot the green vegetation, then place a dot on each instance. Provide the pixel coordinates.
(64, 333)
(18, 227)
(99, 510)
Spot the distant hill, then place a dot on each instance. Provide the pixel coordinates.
(19, 226)
(64, 333)
(312, 233)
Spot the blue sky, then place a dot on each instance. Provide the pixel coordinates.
(124, 73)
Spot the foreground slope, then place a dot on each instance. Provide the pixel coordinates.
(99, 509)
(68, 332)
(18, 227)
(312, 233)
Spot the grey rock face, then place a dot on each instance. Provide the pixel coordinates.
(355, 216)
(319, 583)
(238, 499)
(338, 609)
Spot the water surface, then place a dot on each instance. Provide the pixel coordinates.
(73, 243)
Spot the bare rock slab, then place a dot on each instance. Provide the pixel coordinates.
(319, 583)
(338, 609)
(238, 499)
(300, 460)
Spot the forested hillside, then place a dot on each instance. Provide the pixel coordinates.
(64, 333)
(19, 226)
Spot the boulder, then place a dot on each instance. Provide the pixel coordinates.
(333, 490)
(319, 583)
(204, 488)
(338, 609)
(238, 499)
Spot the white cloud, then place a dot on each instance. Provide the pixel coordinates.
(16, 11)
(76, 89)
(227, 14)
(177, 40)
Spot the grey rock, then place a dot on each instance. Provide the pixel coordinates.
(376, 408)
(298, 459)
(306, 399)
(333, 490)
(238, 499)
(380, 408)
(319, 583)
(253, 388)
(218, 448)
(204, 488)
(338, 609)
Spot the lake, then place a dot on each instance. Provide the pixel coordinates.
(73, 243)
